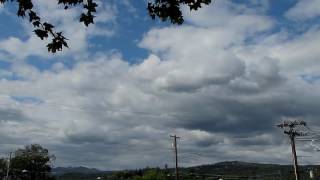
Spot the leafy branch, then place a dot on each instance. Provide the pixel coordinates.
(163, 9)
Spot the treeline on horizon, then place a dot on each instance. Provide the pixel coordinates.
(33, 162)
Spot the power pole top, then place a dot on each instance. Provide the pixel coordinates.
(291, 128)
(292, 124)
(174, 136)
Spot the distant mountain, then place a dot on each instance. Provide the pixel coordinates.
(76, 170)
(248, 170)
(239, 163)
(223, 170)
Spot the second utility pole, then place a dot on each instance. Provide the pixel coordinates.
(176, 154)
(291, 128)
(8, 166)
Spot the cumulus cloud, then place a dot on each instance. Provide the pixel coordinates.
(221, 87)
(304, 10)
(19, 49)
(1, 8)
(231, 17)
(295, 55)
(190, 66)
(68, 22)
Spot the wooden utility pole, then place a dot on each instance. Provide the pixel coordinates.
(291, 129)
(176, 154)
(294, 155)
(8, 166)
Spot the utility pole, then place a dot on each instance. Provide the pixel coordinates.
(176, 154)
(8, 167)
(291, 129)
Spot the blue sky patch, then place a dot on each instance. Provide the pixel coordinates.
(27, 99)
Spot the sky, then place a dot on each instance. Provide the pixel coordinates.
(221, 81)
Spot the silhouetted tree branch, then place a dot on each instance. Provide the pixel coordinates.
(163, 9)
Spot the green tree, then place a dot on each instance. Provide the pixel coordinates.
(3, 168)
(163, 9)
(151, 175)
(32, 163)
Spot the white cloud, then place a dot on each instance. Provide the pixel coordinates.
(1, 8)
(296, 56)
(304, 10)
(66, 21)
(129, 6)
(206, 56)
(5, 73)
(19, 49)
(228, 16)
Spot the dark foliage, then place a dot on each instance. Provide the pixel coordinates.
(33, 162)
(3, 168)
(164, 9)
(171, 9)
(44, 29)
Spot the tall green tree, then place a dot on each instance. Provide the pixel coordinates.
(163, 9)
(32, 163)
